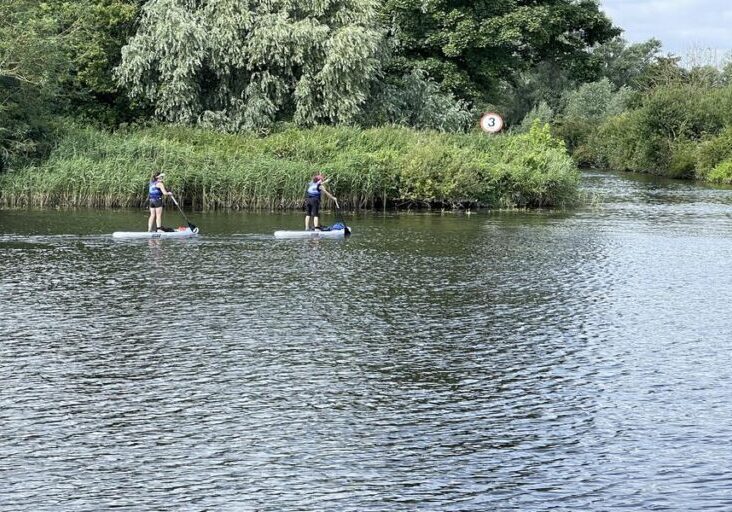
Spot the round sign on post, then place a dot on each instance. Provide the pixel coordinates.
(491, 122)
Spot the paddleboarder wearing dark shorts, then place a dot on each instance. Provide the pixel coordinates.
(156, 191)
(312, 205)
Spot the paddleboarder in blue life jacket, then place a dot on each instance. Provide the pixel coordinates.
(312, 206)
(156, 192)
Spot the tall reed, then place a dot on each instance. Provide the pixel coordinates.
(367, 168)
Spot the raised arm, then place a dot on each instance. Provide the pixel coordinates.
(323, 189)
(161, 186)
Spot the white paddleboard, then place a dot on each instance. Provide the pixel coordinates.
(336, 233)
(183, 233)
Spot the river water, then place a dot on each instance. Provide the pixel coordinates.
(573, 360)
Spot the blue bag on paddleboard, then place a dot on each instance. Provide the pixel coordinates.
(335, 227)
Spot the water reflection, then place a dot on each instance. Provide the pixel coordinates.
(498, 361)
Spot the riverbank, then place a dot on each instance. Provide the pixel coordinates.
(678, 130)
(367, 168)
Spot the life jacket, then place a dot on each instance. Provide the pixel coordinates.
(154, 191)
(313, 189)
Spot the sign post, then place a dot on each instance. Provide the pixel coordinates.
(491, 122)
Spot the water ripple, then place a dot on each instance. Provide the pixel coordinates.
(502, 361)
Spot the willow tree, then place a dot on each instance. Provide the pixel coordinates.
(243, 64)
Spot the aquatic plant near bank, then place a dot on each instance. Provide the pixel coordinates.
(367, 168)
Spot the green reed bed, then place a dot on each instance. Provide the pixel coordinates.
(367, 168)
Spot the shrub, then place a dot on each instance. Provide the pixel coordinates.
(541, 113)
(589, 102)
(722, 173)
(417, 101)
(618, 142)
(661, 136)
(683, 159)
(684, 111)
(712, 152)
(576, 134)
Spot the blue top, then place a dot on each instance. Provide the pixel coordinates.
(154, 190)
(314, 189)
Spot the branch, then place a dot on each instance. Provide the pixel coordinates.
(14, 74)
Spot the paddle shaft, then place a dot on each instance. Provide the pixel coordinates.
(190, 224)
(339, 215)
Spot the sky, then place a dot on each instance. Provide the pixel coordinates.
(683, 26)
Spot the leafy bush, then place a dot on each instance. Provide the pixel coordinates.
(541, 113)
(722, 173)
(618, 143)
(674, 132)
(595, 101)
(681, 112)
(683, 159)
(416, 101)
(577, 134)
(712, 152)
(584, 110)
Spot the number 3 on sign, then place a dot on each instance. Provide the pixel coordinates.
(491, 122)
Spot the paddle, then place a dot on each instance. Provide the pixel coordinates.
(190, 224)
(339, 217)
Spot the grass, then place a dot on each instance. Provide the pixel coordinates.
(367, 168)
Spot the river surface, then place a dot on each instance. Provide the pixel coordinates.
(572, 360)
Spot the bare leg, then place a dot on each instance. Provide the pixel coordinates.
(316, 223)
(307, 222)
(159, 217)
(151, 219)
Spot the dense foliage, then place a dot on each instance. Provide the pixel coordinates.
(642, 111)
(381, 166)
(57, 58)
(248, 66)
(673, 122)
(236, 65)
(475, 48)
(677, 130)
(30, 62)
(93, 46)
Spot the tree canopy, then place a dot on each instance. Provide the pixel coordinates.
(31, 56)
(240, 64)
(472, 47)
(244, 64)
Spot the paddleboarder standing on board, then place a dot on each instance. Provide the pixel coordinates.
(312, 206)
(156, 192)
